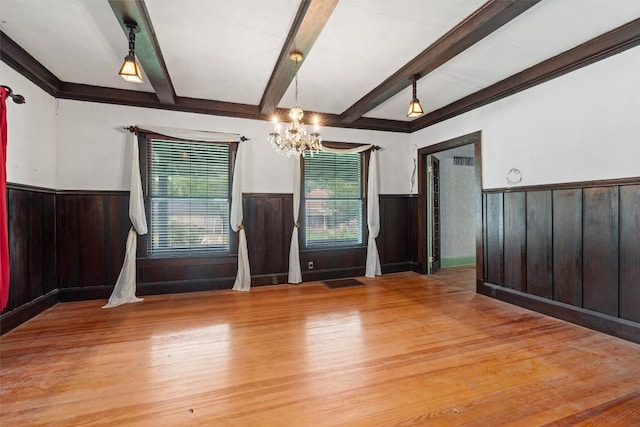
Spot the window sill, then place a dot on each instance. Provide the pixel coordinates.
(186, 259)
(332, 248)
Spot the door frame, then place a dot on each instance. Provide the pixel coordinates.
(433, 175)
(474, 138)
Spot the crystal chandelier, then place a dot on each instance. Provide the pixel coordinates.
(295, 140)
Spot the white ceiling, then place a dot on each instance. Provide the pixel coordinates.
(226, 50)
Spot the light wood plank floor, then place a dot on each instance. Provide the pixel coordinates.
(461, 277)
(403, 350)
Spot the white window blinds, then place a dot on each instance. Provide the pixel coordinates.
(188, 197)
(333, 199)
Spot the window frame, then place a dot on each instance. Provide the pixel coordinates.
(145, 175)
(364, 175)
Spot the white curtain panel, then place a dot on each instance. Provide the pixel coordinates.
(373, 219)
(243, 278)
(295, 273)
(125, 289)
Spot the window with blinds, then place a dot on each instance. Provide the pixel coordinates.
(189, 197)
(334, 202)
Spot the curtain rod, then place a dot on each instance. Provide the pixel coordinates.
(243, 138)
(18, 99)
(132, 129)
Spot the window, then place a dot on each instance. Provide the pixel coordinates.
(334, 202)
(188, 196)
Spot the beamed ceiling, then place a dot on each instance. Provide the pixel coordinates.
(231, 58)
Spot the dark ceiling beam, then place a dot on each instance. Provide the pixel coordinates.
(596, 49)
(147, 47)
(604, 46)
(491, 16)
(106, 95)
(308, 24)
(19, 59)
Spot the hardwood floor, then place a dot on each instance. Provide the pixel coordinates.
(461, 277)
(402, 350)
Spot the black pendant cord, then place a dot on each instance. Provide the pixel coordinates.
(18, 99)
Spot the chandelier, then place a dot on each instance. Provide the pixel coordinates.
(295, 140)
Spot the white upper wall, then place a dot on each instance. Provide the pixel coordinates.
(582, 126)
(93, 148)
(31, 132)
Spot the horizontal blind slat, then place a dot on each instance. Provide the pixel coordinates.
(189, 191)
(334, 199)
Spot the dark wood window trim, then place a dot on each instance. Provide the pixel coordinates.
(364, 167)
(143, 241)
(474, 138)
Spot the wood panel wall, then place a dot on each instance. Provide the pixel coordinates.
(582, 246)
(71, 245)
(32, 249)
(91, 230)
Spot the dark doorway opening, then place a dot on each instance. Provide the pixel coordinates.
(426, 186)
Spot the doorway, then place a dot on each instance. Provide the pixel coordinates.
(430, 201)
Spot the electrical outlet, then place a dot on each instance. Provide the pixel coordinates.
(274, 280)
(310, 265)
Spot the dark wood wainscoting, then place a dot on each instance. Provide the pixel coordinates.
(572, 251)
(268, 219)
(32, 254)
(70, 245)
(398, 238)
(91, 232)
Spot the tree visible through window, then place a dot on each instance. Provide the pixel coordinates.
(334, 200)
(189, 196)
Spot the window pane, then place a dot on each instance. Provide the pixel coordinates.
(332, 175)
(189, 197)
(334, 201)
(334, 222)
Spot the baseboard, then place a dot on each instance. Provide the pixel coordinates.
(18, 316)
(610, 325)
(183, 286)
(328, 274)
(396, 267)
(142, 289)
(415, 267)
(85, 293)
(269, 279)
(457, 262)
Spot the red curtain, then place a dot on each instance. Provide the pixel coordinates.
(4, 232)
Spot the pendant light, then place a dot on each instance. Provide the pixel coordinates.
(130, 70)
(415, 109)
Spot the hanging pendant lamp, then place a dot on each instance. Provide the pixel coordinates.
(415, 109)
(130, 70)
